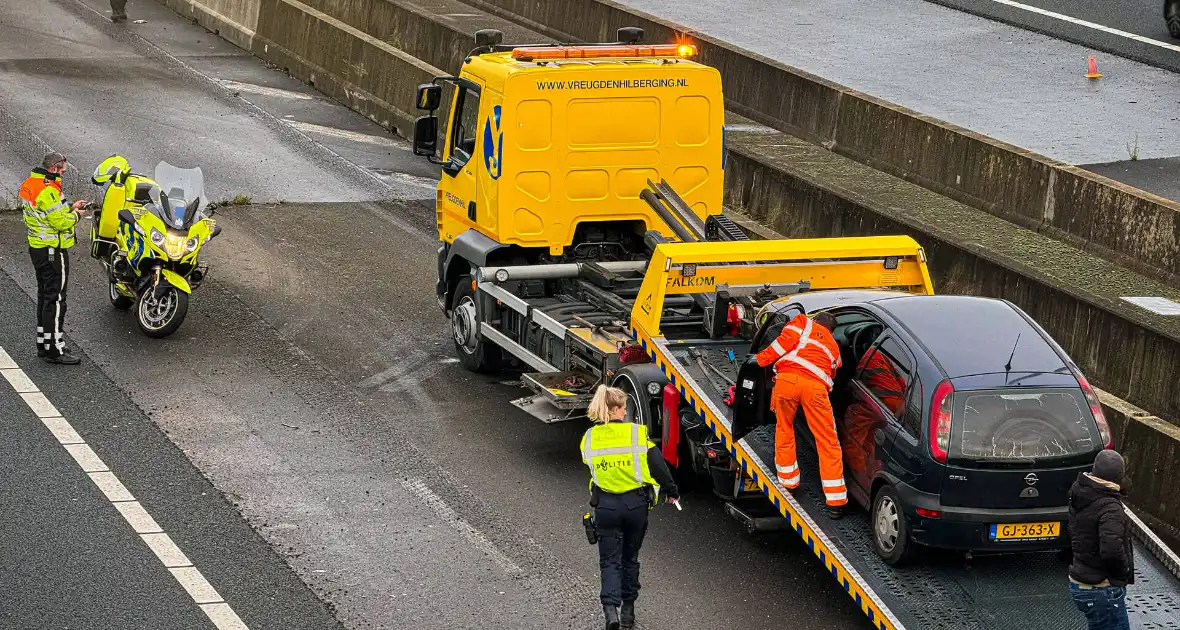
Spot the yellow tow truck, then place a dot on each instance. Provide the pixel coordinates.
(583, 241)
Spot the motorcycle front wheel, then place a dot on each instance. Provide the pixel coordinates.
(160, 317)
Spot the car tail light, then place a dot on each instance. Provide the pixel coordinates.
(1096, 409)
(924, 513)
(669, 446)
(940, 421)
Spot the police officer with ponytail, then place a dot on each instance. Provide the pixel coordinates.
(628, 474)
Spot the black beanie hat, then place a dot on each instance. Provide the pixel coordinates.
(1109, 465)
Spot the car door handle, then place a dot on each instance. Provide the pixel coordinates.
(879, 437)
(471, 210)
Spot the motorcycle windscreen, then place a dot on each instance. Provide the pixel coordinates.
(182, 186)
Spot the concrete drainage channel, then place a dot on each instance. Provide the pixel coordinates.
(1063, 244)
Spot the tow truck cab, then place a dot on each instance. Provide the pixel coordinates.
(547, 150)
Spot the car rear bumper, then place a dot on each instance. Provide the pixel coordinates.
(970, 529)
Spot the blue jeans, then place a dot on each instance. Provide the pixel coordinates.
(1105, 607)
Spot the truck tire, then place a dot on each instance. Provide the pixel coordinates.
(890, 532)
(476, 353)
(639, 405)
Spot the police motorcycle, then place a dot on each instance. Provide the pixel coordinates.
(153, 262)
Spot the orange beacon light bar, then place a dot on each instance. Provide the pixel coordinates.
(530, 53)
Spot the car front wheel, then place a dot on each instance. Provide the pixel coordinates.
(890, 533)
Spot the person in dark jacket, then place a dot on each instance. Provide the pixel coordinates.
(1103, 563)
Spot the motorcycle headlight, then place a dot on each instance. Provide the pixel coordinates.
(157, 238)
(191, 245)
(174, 245)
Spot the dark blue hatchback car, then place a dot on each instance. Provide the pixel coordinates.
(961, 421)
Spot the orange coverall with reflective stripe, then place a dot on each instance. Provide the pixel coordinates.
(805, 358)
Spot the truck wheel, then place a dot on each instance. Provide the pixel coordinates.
(475, 353)
(640, 409)
(890, 533)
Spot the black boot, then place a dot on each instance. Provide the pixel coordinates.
(627, 615)
(834, 512)
(65, 358)
(612, 617)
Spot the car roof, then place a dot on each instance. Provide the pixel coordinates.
(970, 335)
(819, 300)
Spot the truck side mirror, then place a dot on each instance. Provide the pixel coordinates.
(429, 96)
(426, 136)
(126, 217)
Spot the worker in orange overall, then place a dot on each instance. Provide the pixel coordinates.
(805, 358)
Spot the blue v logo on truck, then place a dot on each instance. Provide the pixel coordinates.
(493, 144)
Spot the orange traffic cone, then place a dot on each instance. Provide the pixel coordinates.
(1093, 73)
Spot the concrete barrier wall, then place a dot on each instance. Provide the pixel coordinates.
(357, 69)
(1151, 448)
(365, 73)
(1118, 222)
(234, 20)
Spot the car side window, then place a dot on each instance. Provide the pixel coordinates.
(887, 372)
(466, 126)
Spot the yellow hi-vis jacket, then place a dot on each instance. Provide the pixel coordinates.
(48, 217)
(616, 453)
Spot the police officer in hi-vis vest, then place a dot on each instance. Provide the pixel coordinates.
(50, 222)
(628, 472)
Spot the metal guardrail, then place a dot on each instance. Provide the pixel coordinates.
(1154, 544)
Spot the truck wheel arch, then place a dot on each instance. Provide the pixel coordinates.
(469, 249)
(636, 378)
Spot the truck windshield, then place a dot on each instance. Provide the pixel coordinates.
(1022, 424)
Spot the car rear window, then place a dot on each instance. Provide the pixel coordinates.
(1022, 424)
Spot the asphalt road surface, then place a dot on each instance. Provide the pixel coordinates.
(1090, 23)
(1005, 82)
(306, 439)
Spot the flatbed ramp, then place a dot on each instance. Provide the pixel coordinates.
(944, 591)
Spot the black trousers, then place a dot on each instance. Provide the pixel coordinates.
(621, 522)
(53, 276)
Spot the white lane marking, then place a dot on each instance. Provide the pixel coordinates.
(444, 511)
(223, 616)
(136, 516)
(62, 430)
(40, 405)
(197, 586)
(161, 544)
(265, 91)
(1097, 27)
(111, 486)
(204, 595)
(16, 377)
(347, 135)
(6, 362)
(86, 458)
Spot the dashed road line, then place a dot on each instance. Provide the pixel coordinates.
(1087, 24)
(161, 544)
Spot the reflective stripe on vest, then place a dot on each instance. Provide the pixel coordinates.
(610, 459)
(804, 341)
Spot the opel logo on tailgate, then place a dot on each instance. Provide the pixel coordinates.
(1031, 479)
